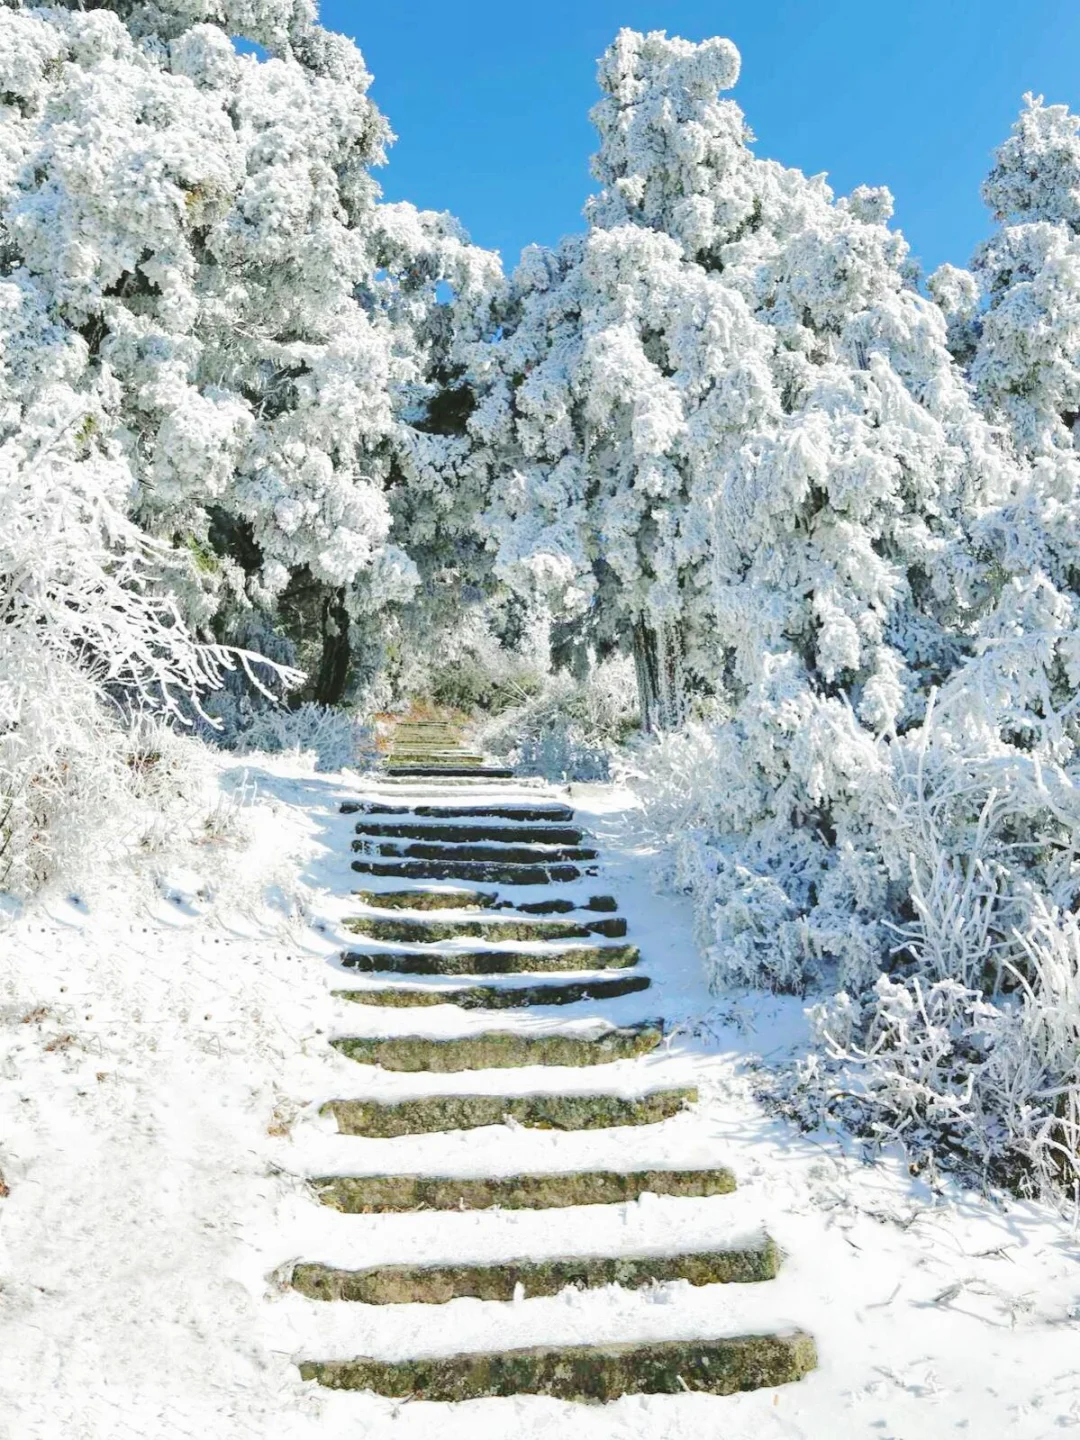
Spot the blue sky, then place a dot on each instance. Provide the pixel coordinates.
(490, 101)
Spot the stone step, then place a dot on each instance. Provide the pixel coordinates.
(420, 899)
(558, 906)
(470, 870)
(499, 1049)
(432, 787)
(440, 760)
(500, 997)
(392, 1194)
(524, 812)
(429, 932)
(491, 854)
(750, 1262)
(582, 1372)
(432, 830)
(485, 772)
(426, 1114)
(429, 740)
(491, 962)
(428, 899)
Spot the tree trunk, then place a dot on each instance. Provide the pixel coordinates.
(660, 679)
(334, 661)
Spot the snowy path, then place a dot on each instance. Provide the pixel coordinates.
(577, 1061)
(162, 1072)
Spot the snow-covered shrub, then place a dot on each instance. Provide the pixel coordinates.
(571, 728)
(936, 1063)
(90, 638)
(480, 666)
(337, 737)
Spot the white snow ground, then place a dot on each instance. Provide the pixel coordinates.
(161, 1070)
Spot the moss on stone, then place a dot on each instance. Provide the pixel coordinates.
(429, 1113)
(465, 833)
(489, 854)
(523, 812)
(499, 1049)
(428, 899)
(388, 1194)
(470, 870)
(582, 1372)
(501, 997)
(428, 932)
(437, 1284)
(410, 768)
(490, 962)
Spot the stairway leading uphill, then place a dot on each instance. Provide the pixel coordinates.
(542, 941)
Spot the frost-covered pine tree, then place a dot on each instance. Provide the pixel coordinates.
(1015, 325)
(207, 226)
(732, 436)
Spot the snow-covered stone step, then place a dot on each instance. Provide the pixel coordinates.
(535, 959)
(491, 927)
(397, 790)
(464, 833)
(382, 1194)
(439, 761)
(582, 1372)
(423, 898)
(498, 997)
(651, 1224)
(523, 811)
(405, 770)
(500, 1049)
(489, 851)
(478, 870)
(749, 1261)
(431, 742)
(450, 1022)
(317, 1147)
(469, 1111)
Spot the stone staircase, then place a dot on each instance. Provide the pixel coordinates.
(449, 821)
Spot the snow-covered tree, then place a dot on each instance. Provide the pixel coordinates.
(729, 422)
(1014, 322)
(207, 224)
(733, 437)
